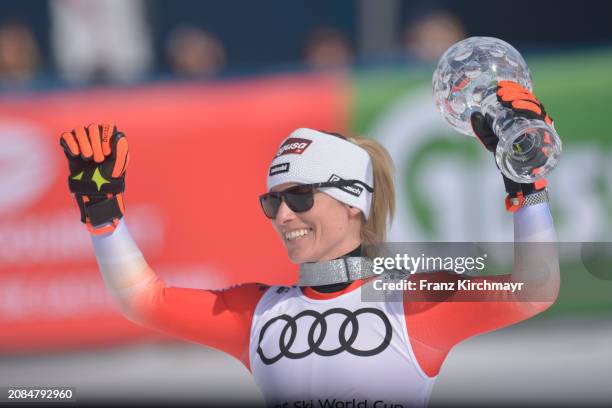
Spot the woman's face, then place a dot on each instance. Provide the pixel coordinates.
(327, 231)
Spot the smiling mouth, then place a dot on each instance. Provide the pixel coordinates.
(296, 234)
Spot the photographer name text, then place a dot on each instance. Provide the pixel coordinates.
(457, 285)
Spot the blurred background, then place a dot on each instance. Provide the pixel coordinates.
(205, 91)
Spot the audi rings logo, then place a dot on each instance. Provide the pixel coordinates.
(346, 335)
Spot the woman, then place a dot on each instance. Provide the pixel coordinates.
(329, 199)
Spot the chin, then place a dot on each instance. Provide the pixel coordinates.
(298, 257)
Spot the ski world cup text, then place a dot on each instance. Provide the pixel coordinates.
(338, 403)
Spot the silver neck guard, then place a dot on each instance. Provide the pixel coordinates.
(335, 271)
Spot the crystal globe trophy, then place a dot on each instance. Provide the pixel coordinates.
(465, 81)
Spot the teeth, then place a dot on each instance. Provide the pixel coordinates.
(291, 235)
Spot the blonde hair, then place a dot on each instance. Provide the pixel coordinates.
(382, 210)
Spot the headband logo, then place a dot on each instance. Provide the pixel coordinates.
(293, 145)
(279, 168)
(353, 190)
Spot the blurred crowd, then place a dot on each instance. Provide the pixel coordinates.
(115, 41)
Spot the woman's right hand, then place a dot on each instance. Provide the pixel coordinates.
(97, 156)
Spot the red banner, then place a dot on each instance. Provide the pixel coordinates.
(199, 155)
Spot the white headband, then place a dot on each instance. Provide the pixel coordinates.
(308, 156)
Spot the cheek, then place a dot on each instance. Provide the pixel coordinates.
(332, 222)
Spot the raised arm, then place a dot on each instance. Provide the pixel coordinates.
(98, 157)
(216, 318)
(435, 327)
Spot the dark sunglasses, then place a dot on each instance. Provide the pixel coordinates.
(300, 198)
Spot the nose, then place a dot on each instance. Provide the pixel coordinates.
(285, 214)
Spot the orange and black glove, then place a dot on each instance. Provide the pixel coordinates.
(523, 103)
(97, 158)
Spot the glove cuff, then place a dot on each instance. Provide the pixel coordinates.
(99, 211)
(519, 201)
(521, 195)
